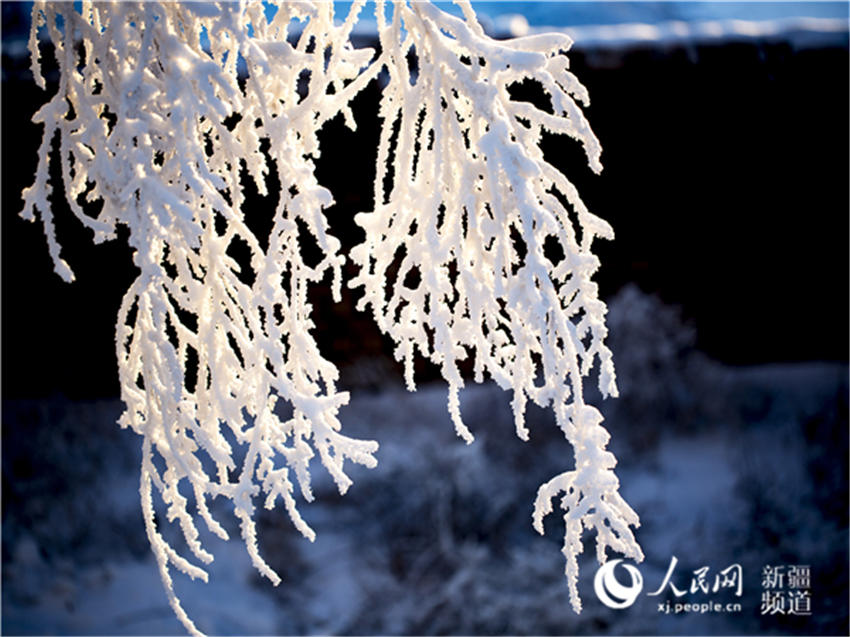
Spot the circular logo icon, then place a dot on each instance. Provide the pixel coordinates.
(610, 591)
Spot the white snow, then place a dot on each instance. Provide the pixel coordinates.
(438, 537)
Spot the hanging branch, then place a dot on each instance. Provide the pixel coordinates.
(164, 111)
(472, 206)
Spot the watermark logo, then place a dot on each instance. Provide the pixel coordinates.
(703, 583)
(610, 591)
(786, 589)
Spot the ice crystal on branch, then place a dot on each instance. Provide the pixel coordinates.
(160, 112)
(145, 119)
(469, 178)
(471, 205)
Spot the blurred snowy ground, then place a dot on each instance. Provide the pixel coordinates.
(724, 465)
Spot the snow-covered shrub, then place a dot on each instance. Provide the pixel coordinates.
(661, 373)
(159, 109)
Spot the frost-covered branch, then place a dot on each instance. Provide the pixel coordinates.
(159, 129)
(164, 111)
(486, 261)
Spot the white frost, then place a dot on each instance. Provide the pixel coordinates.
(158, 128)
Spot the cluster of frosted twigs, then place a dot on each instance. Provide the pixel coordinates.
(161, 107)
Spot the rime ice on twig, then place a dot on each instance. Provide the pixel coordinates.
(159, 128)
(471, 206)
(590, 500)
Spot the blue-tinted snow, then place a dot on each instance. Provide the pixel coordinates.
(564, 14)
(625, 23)
(724, 465)
(608, 24)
